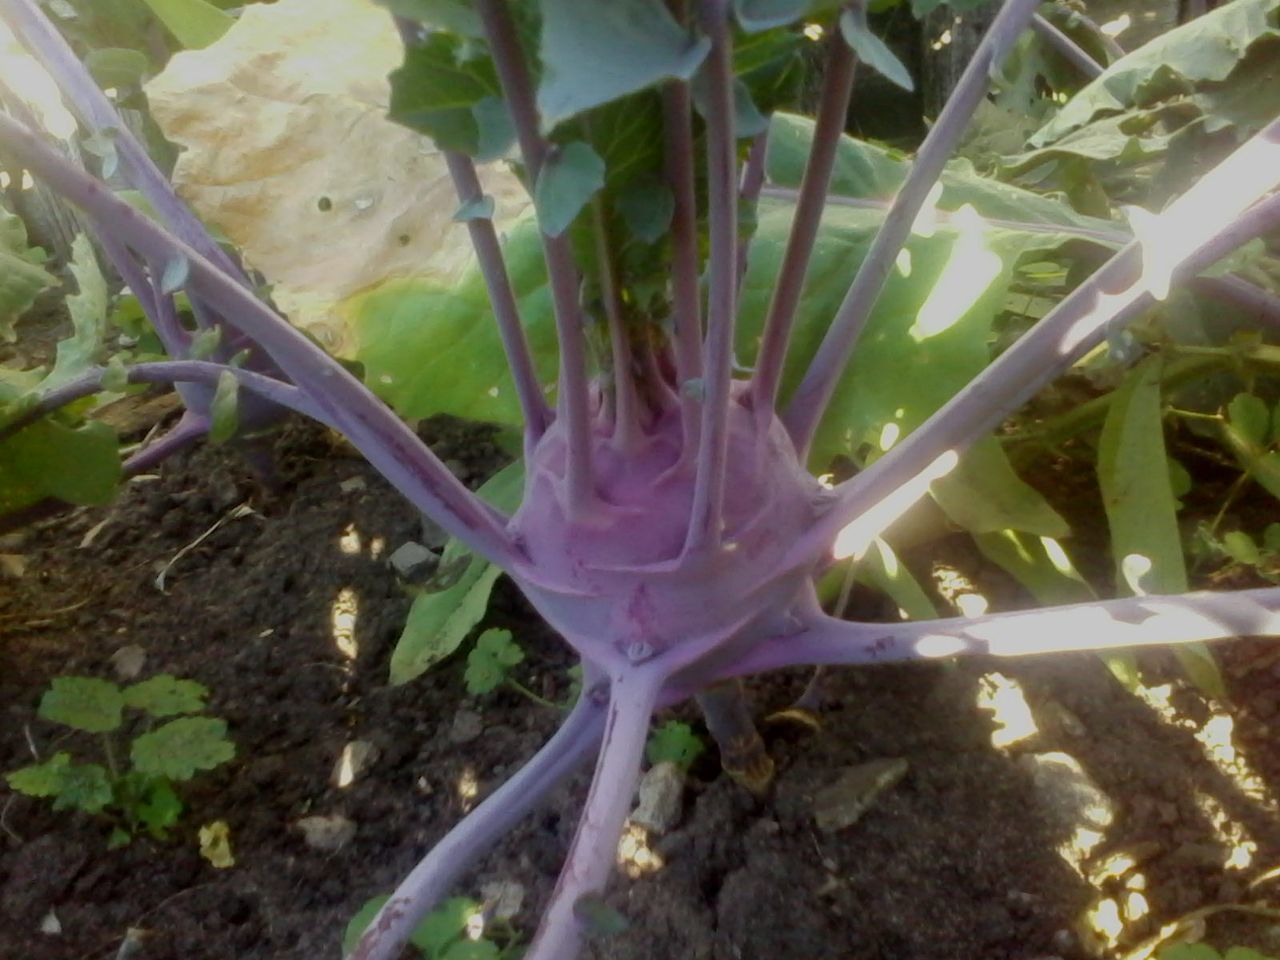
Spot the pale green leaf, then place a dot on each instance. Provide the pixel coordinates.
(85, 703)
(77, 786)
(49, 459)
(481, 208)
(224, 410)
(88, 310)
(165, 695)
(117, 66)
(871, 50)
(487, 664)
(1249, 415)
(570, 176)
(597, 52)
(455, 16)
(181, 747)
(194, 23)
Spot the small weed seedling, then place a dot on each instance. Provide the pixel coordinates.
(456, 930)
(142, 796)
(674, 742)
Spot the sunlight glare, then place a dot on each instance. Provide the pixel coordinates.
(349, 541)
(889, 435)
(857, 537)
(28, 80)
(468, 788)
(1003, 698)
(968, 274)
(635, 856)
(342, 619)
(926, 222)
(1113, 28)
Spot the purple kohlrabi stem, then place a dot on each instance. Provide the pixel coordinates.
(1262, 305)
(518, 91)
(166, 371)
(807, 405)
(749, 187)
(1068, 48)
(833, 108)
(95, 111)
(686, 301)
(1094, 625)
(190, 428)
(537, 416)
(632, 697)
(1207, 222)
(430, 880)
(346, 404)
(626, 405)
(722, 286)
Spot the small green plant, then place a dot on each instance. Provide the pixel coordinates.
(674, 742)
(141, 797)
(456, 930)
(489, 666)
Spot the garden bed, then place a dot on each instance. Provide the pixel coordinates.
(960, 860)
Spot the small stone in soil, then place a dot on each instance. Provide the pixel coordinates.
(659, 798)
(842, 803)
(128, 661)
(467, 726)
(328, 833)
(353, 485)
(356, 757)
(411, 559)
(504, 897)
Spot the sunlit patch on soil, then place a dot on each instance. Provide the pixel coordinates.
(342, 620)
(1003, 698)
(635, 857)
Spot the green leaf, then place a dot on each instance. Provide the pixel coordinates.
(439, 621)
(444, 925)
(1249, 415)
(165, 695)
(224, 411)
(117, 66)
(358, 923)
(881, 569)
(569, 178)
(646, 207)
(984, 494)
(85, 703)
(21, 281)
(454, 16)
(79, 786)
(871, 50)
(181, 747)
(160, 809)
(1206, 49)
(40, 779)
(194, 23)
(1241, 548)
(597, 52)
(88, 309)
(1141, 508)
(48, 459)
(472, 950)
(674, 742)
(118, 837)
(755, 16)
(1271, 537)
(438, 91)
(489, 661)
(205, 343)
(1188, 951)
(1040, 565)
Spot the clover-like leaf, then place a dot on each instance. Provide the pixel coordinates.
(160, 809)
(164, 695)
(82, 786)
(674, 742)
(487, 665)
(85, 703)
(181, 747)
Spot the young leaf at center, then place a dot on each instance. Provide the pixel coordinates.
(568, 179)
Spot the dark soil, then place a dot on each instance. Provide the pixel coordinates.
(959, 861)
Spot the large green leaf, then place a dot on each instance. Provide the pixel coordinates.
(428, 349)
(441, 618)
(444, 90)
(567, 181)
(21, 276)
(79, 786)
(48, 459)
(593, 53)
(165, 695)
(195, 23)
(1207, 49)
(1138, 497)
